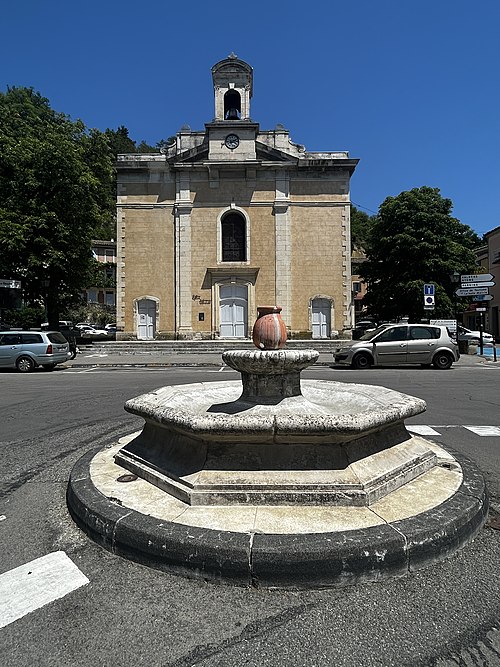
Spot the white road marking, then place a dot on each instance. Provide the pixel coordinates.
(422, 430)
(33, 585)
(484, 430)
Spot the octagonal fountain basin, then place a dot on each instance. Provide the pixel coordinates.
(265, 442)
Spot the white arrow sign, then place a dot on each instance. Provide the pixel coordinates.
(488, 283)
(471, 291)
(476, 278)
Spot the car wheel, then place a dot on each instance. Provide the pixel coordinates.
(442, 360)
(362, 361)
(25, 364)
(48, 367)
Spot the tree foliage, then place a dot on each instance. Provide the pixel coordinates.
(360, 228)
(120, 142)
(56, 195)
(412, 241)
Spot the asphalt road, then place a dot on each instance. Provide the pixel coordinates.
(448, 614)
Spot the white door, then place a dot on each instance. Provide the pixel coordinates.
(321, 309)
(233, 311)
(146, 319)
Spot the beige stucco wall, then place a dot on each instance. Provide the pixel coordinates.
(317, 262)
(148, 244)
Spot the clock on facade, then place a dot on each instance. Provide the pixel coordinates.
(232, 141)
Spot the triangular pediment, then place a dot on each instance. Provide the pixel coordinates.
(200, 154)
(196, 154)
(265, 152)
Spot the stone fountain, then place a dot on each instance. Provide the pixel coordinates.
(273, 443)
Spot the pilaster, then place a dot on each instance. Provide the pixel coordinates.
(283, 279)
(183, 304)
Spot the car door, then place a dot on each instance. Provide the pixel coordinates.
(10, 346)
(390, 347)
(422, 343)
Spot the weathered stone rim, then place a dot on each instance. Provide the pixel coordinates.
(282, 561)
(203, 425)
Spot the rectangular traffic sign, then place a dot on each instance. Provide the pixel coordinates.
(483, 297)
(429, 290)
(485, 283)
(476, 277)
(471, 291)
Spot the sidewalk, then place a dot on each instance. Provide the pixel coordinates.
(89, 359)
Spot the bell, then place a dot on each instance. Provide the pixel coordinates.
(232, 114)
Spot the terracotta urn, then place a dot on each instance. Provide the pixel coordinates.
(269, 330)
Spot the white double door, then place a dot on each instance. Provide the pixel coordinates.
(321, 318)
(146, 319)
(233, 311)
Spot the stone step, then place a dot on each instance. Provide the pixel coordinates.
(195, 347)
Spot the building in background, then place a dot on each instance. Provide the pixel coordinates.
(229, 218)
(103, 292)
(493, 317)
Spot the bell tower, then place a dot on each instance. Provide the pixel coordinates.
(233, 81)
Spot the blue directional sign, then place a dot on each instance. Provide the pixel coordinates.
(429, 290)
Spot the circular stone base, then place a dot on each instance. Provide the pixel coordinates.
(287, 546)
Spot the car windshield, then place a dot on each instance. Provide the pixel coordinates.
(371, 334)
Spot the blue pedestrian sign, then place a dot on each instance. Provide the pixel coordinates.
(429, 290)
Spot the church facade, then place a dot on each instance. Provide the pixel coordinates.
(230, 218)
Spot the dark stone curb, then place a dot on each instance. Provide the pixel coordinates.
(283, 561)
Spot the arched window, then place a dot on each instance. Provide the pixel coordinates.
(234, 238)
(232, 105)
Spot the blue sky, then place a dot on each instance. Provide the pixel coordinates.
(411, 87)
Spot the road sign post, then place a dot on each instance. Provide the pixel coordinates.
(429, 298)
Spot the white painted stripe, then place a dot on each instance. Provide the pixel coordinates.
(485, 430)
(421, 430)
(35, 584)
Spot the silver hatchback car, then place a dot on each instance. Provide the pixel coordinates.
(400, 344)
(25, 350)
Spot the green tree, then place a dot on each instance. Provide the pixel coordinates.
(55, 196)
(412, 241)
(360, 228)
(119, 141)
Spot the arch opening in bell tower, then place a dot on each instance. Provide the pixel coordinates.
(232, 105)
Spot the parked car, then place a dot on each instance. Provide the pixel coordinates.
(25, 350)
(395, 344)
(362, 327)
(70, 333)
(89, 331)
(473, 336)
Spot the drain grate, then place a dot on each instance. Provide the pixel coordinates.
(127, 478)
